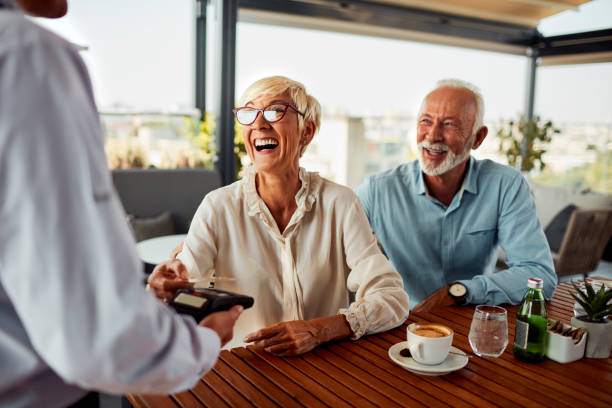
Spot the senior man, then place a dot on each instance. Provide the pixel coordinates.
(441, 218)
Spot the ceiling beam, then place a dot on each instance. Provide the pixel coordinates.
(599, 41)
(393, 17)
(556, 4)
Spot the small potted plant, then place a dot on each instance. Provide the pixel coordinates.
(595, 322)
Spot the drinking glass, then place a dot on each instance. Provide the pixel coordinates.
(489, 331)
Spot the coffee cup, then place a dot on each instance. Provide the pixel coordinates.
(429, 343)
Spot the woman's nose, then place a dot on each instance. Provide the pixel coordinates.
(260, 122)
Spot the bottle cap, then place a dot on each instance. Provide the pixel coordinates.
(535, 283)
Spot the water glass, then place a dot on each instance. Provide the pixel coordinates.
(489, 331)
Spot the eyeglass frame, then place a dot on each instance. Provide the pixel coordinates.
(287, 105)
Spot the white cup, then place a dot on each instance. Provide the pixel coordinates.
(429, 343)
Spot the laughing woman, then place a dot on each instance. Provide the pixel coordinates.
(296, 242)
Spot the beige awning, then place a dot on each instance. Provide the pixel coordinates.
(524, 12)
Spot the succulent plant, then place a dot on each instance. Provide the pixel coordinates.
(595, 304)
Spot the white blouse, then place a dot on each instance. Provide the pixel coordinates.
(326, 251)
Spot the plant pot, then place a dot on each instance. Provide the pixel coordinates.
(599, 341)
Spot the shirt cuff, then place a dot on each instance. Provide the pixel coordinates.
(475, 289)
(356, 320)
(213, 343)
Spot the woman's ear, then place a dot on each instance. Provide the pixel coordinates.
(308, 132)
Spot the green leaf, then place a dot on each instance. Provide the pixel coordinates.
(589, 289)
(580, 293)
(602, 314)
(586, 306)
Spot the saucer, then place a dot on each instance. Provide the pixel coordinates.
(453, 361)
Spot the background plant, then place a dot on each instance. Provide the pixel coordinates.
(534, 134)
(595, 304)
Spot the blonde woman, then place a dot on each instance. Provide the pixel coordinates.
(296, 242)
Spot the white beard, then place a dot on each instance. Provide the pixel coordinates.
(451, 161)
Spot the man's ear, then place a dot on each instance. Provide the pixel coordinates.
(481, 134)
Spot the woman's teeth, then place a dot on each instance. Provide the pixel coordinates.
(261, 144)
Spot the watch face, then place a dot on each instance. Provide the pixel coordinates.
(457, 290)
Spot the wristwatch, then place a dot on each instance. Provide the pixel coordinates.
(458, 292)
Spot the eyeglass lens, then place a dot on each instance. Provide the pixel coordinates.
(272, 113)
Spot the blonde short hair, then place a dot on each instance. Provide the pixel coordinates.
(277, 85)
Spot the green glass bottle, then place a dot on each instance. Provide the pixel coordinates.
(531, 318)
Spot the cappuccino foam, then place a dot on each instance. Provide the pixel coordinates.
(431, 331)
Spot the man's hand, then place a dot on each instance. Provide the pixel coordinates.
(167, 278)
(223, 323)
(439, 298)
(299, 336)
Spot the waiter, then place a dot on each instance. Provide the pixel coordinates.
(73, 314)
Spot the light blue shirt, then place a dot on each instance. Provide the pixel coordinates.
(432, 245)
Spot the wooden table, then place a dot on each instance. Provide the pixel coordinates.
(360, 374)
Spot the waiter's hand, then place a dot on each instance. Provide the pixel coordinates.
(223, 323)
(299, 336)
(167, 278)
(439, 298)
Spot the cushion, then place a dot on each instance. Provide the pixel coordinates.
(551, 200)
(145, 228)
(555, 230)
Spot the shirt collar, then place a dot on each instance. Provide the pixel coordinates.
(419, 180)
(469, 182)
(471, 178)
(304, 198)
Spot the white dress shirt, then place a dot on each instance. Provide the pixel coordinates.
(326, 251)
(73, 311)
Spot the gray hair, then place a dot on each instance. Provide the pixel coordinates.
(461, 84)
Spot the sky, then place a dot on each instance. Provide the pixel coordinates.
(143, 58)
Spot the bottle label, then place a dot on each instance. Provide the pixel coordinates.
(520, 336)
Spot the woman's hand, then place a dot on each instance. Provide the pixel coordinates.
(299, 336)
(167, 278)
(223, 323)
(177, 251)
(286, 338)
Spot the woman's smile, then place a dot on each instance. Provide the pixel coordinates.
(265, 144)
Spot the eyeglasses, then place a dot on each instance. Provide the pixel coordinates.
(271, 113)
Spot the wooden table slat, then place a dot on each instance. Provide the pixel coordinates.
(198, 396)
(327, 381)
(277, 394)
(294, 390)
(151, 401)
(440, 385)
(373, 377)
(367, 386)
(244, 387)
(320, 391)
(225, 390)
(416, 386)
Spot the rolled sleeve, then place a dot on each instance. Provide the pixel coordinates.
(380, 300)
